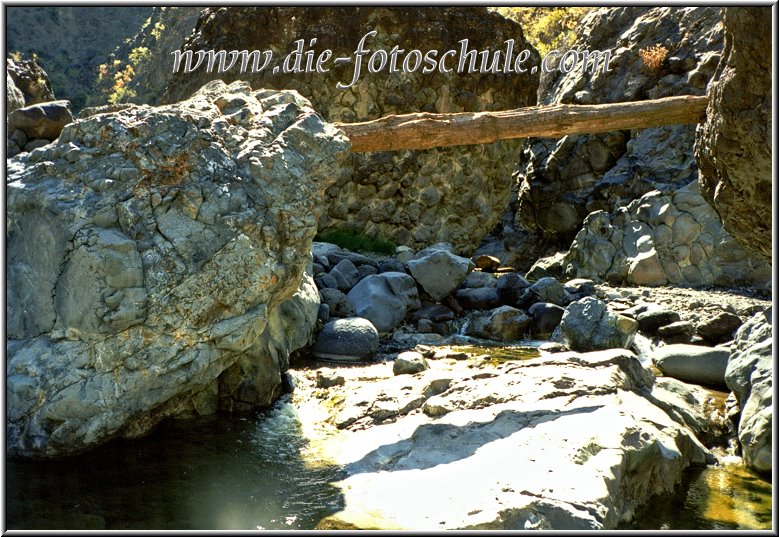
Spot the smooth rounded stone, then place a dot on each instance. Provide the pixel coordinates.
(385, 299)
(550, 290)
(693, 363)
(346, 275)
(580, 287)
(357, 259)
(318, 269)
(390, 264)
(510, 287)
(487, 263)
(45, 120)
(337, 301)
(408, 363)
(678, 332)
(439, 272)
(349, 340)
(653, 318)
(326, 281)
(404, 254)
(720, 328)
(503, 323)
(546, 317)
(425, 326)
(478, 279)
(323, 313)
(327, 378)
(367, 270)
(434, 312)
(482, 298)
(588, 325)
(323, 249)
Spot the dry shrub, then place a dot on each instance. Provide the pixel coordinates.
(653, 57)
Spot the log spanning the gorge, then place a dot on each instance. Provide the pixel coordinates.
(426, 130)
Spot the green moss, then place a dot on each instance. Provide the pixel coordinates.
(357, 242)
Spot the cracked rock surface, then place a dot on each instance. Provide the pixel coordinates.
(150, 250)
(456, 446)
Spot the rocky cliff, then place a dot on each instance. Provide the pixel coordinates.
(150, 253)
(413, 197)
(560, 181)
(733, 147)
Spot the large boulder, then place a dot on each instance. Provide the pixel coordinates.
(733, 147)
(415, 198)
(661, 239)
(693, 363)
(504, 323)
(750, 375)
(588, 325)
(385, 299)
(562, 180)
(353, 339)
(147, 252)
(44, 120)
(439, 271)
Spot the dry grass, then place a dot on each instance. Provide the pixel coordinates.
(653, 57)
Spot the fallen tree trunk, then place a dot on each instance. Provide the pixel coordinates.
(426, 130)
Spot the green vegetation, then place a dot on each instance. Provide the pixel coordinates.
(357, 242)
(547, 28)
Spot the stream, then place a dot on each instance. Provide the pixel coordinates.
(261, 473)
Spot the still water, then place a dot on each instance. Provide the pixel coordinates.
(260, 473)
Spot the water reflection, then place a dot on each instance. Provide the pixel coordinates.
(726, 496)
(207, 474)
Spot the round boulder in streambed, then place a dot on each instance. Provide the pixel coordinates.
(693, 363)
(439, 271)
(44, 120)
(408, 363)
(503, 323)
(347, 340)
(588, 325)
(385, 299)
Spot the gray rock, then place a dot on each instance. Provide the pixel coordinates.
(390, 265)
(367, 270)
(385, 299)
(546, 317)
(719, 328)
(404, 254)
(137, 278)
(357, 260)
(750, 375)
(44, 120)
(550, 290)
(678, 332)
(434, 312)
(579, 288)
(654, 318)
(326, 281)
(31, 80)
(13, 96)
(327, 378)
(35, 144)
(481, 298)
(510, 287)
(346, 275)
(588, 325)
(439, 272)
(733, 147)
(693, 363)
(339, 305)
(504, 323)
(409, 363)
(477, 279)
(323, 314)
(349, 340)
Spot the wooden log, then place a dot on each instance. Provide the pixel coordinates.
(426, 130)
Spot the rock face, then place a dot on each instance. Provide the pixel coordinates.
(149, 251)
(588, 325)
(31, 80)
(750, 375)
(463, 445)
(660, 239)
(13, 96)
(733, 147)
(562, 180)
(414, 198)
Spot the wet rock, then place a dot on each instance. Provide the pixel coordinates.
(385, 299)
(482, 298)
(693, 363)
(720, 328)
(338, 303)
(546, 317)
(504, 323)
(348, 340)
(439, 272)
(44, 120)
(138, 277)
(733, 147)
(587, 325)
(409, 363)
(750, 375)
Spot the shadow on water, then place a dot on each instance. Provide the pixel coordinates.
(469, 438)
(214, 473)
